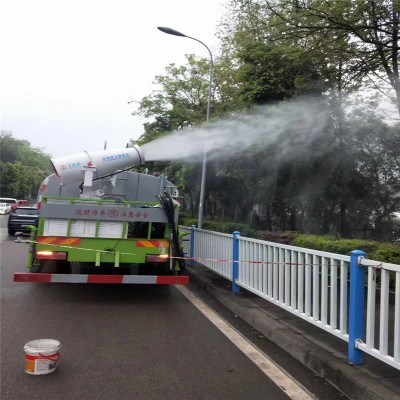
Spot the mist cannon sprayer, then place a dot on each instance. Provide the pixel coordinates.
(86, 165)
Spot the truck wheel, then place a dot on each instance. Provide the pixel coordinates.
(163, 269)
(76, 267)
(64, 267)
(50, 267)
(133, 269)
(36, 267)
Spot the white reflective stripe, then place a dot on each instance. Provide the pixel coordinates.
(67, 278)
(143, 279)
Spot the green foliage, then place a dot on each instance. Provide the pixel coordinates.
(270, 72)
(186, 220)
(22, 167)
(278, 237)
(340, 180)
(335, 245)
(218, 226)
(358, 38)
(378, 251)
(244, 229)
(181, 100)
(387, 253)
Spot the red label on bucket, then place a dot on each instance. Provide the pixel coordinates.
(53, 357)
(41, 364)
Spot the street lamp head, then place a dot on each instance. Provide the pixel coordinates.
(170, 31)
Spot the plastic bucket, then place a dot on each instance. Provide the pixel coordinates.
(41, 356)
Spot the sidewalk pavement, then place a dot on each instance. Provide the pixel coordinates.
(323, 353)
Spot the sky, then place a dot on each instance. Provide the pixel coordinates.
(73, 71)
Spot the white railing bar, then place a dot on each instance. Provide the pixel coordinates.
(288, 276)
(308, 284)
(300, 286)
(384, 314)
(293, 279)
(324, 290)
(276, 273)
(270, 272)
(334, 297)
(344, 270)
(371, 304)
(265, 276)
(316, 288)
(397, 320)
(281, 267)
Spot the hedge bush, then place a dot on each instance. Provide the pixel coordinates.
(334, 245)
(223, 227)
(386, 253)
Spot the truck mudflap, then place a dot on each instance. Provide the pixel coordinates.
(94, 278)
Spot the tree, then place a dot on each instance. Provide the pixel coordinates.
(182, 98)
(303, 172)
(22, 167)
(359, 38)
(377, 178)
(179, 104)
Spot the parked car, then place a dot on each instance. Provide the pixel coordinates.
(20, 203)
(20, 217)
(4, 208)
(8, 200)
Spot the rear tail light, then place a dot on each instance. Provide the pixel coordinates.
(156, 258)
(51, 255)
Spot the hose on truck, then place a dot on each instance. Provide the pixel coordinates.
(169, 208)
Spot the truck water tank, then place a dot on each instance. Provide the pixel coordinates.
(71, 168)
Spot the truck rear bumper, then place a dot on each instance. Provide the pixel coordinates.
(91, 278)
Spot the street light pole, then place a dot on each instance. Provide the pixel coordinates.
(170, 31)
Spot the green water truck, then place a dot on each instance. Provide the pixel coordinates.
(97, 216)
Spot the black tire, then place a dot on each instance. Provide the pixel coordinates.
(47, 266)
(163, 269)
(11, 232)
(50, 266)
(133, 269)
(37, 267)
(64, 267)
(76, 267)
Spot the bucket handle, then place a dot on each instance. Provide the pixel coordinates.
(55, 358)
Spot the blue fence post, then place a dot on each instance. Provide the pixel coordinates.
(191, 254)
(235, 264)
(356, 307)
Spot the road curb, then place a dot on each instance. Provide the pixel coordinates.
(346, 378)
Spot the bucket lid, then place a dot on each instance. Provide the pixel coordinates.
(42, 345)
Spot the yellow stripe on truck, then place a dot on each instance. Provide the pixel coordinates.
(59, 240)
(152, 243)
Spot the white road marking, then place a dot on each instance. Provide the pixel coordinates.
(281, 378)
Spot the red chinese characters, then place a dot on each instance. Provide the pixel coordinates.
(112, 213)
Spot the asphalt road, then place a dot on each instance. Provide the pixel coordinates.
(118, 342)
(121, 342)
